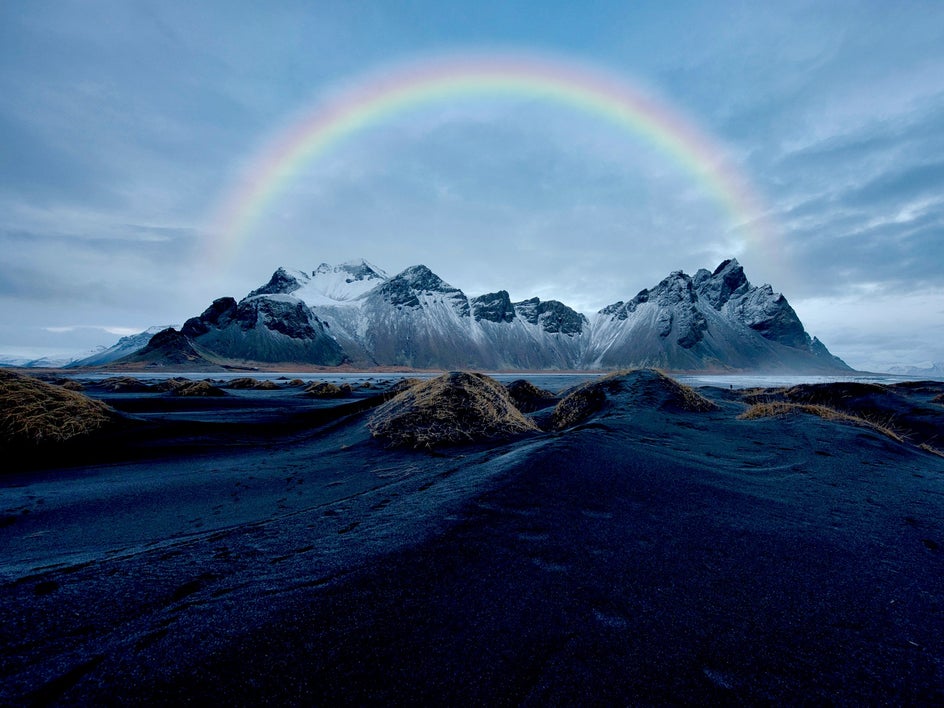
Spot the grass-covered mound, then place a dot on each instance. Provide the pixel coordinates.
(123, 384)
(33, 412)
(780, 409)
(527, 397)
(199, 389)
(249, 383)
(457, 407)
(645, 388)
(402, 385)
(323, 389)
(186, 387)
(901, 412)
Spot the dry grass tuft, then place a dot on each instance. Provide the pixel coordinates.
(647, 387)
(124, 384)
(527, 397)
(33, 412)
(247, 382)
(779, 409)
(938, 399)
(457, 407)
(687, 398)
(72, 385)
(323, 389)
(402, 385)
(580, 403)
(933, 450)
(198, 388)
(172, 385)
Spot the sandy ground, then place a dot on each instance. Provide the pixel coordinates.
(262, 547)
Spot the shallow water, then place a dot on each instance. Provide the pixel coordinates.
(552, 381)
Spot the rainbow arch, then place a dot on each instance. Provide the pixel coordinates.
(375, 98)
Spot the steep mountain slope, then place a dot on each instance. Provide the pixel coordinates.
(712, 321)
(168, 348)
(417, 319)
(122, 348)
(271, 328)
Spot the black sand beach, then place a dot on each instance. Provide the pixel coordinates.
(261, 546)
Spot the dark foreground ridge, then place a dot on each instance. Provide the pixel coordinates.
(657, 547)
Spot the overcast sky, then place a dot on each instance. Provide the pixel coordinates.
(125, 125)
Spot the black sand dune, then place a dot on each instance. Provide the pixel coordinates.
(646, 553)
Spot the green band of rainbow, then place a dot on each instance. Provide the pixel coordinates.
(377, 98)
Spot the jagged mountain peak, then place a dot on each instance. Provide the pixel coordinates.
(356, 269)
(414, 285)
(494, 307)
(283, 280)
(553, 316)
(421, 277)
(727, 281)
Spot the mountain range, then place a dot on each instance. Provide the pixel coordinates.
(356, 314)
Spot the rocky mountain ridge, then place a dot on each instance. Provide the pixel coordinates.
(355, 313)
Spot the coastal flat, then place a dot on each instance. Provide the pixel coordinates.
(262, 546)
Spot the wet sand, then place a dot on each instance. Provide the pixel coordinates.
(262, 547)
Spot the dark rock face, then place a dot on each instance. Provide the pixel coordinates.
(217, 315)
(168, 338)
(715, 320)
(292, 319)
(265, 329)
(554, 317)
(718, 287)
(168, 348)
(494, 307)
(404, 289)
(280, 282)
(678, 301)
(767, 313)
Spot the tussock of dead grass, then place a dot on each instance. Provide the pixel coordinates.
(403, 385)
(580, 403)
(179, 386)
(457, 407)
(33, 412)
(527, 397)
(687, 398)
(779, 409)
(930, 448)
(72, 385)
(323, 389)
(198, 388)
(247, 382)
(939, 398)
(651, 387)
(124, 384)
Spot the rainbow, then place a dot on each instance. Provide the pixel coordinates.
(376, 98)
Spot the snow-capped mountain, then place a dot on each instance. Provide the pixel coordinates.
(356, 313)
(712, 321)
(122, 348)
(933, 369)
(326, 284)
